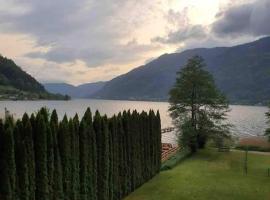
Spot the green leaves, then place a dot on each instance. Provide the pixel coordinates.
(267, 131)
(196, 105)
(105, 158)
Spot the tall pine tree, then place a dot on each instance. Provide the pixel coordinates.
(102, 136)
(64, 139)
(21, 162)
(267, 131)
(40, 146)
(41, 158)
(195, 95)
(29, 144)
(57, 187)
(75, 149)
(92, 157)
(7, 161)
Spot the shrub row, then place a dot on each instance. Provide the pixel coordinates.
(89, 159)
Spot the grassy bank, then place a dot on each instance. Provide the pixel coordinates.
(210, 175)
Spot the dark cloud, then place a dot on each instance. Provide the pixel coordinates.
(87, 30)
(180, 29)
(244, 19)
(182, 35)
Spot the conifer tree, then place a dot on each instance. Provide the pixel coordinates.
(50, 159)
(57, 187)
(33, 122)
(150, 137)
(110, 181)
(76, 158)
(40, 146)
(84, 152)
(138, 149)
(92, 158)
(7, 161)
(116, 158)
(21, 162)
(195, 95)
(142, 147)
(128, 133)
(126, 152)
(121, 158)
(158, 141)
(134, 150)
(64, 138)
(73, 187)
(113, 157)
(4, 190)
(45, 113)
(102, 136)
(41, 158)
(267, 131)
(54, 119)
(147, 157)
(28, 137)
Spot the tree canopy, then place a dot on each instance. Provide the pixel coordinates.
(93, 158)
(197, 107)
(267, 131)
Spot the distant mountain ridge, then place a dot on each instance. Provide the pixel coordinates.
(242, 72)
(80, 91)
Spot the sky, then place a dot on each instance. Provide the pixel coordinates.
(81, 41)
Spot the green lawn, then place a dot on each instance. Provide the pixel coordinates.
(210, 175)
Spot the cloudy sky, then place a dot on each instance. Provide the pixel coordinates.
(79, 41)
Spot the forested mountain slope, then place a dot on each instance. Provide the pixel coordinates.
(242, 72)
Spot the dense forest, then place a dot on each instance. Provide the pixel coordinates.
(100, 158)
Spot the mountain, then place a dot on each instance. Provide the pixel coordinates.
(81, 91)
(59, 88)
(17, 84)
(12, 75)
(242, 72)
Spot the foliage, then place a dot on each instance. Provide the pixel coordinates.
(11, 74)
(42, 157)
(7, 161)
(173, 161)
(197, 106)
(267, 131)
(15, 84)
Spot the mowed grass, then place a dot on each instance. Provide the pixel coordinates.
(210, 175)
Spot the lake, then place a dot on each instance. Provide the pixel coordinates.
(247, 120)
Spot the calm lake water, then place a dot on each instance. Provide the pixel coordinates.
(247, 120)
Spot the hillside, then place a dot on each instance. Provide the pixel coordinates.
(80, 91)
(16, 84)
(242, 72)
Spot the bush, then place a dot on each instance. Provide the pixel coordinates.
(175, 160)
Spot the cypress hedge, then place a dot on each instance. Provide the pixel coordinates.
(97, 158)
